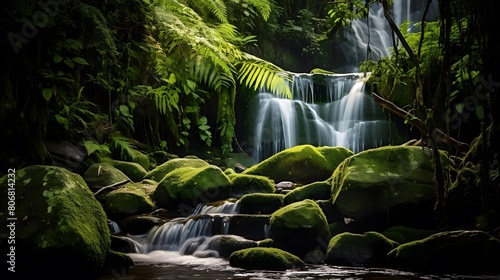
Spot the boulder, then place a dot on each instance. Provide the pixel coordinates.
(260, 258)
(402, 234)
(160, 171)
(133, 170)
(260, 203)
(387, 186)
(186, 187)
(302, 164)
(103, 174)
(299, 228)
(351, 249)
(461, 251)
(131, 199)
(242, 184)
(58, 222)
(315, 191)
(140, 224)
(227, 244)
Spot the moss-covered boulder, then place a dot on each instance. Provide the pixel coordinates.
(462, 251)
(227, 244)
(260, 203)
(131, 199)
(260, 258)
(315, 191)
(140, 224)
(242, 184)
(402, 234)
(351, 249)
(141, 158)
(160, 171)
(301, 164)
(299, 228)
(133, 170)
(387, 186)
(58, 221)
(252, 227)
(103, 174)
(186, 187)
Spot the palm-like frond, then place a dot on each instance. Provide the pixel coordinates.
(264, 7)
(216, 7)
(258, 73)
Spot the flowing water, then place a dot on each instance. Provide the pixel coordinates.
(325, 110)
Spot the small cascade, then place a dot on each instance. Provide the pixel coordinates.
(325, 110)
(227, 207)
(114, 228)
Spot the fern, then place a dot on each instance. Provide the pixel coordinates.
(216, 7)
(92, 147)
(264, 7)
(123, 145)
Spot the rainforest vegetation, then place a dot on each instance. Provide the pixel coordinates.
(123, 77)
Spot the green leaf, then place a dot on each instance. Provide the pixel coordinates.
(124, 110)
(460, 107)
(69, 63)
(171, 78)
(80, 60)
(480, 112)
(57, 58)
(47, 93)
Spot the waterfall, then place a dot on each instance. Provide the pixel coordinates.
(325, 110)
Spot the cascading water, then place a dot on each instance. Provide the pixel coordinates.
(325, 110)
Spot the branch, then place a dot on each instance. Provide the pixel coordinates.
(413, 120)
(112, 186)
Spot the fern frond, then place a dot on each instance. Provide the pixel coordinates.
(124, 145)
(216, 7)
(264, 7)
(257, 73)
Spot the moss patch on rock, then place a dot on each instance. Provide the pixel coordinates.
(261, 258)
(315, 191)
(302, 164)
(242, 184)
(351, 249)
(133, 170)
(160, 171)
(299, 227)
(59, 222)
(190, 186)
(260, 203)
(103, 174)
(402, 234)
(131, 199)
(462, 251)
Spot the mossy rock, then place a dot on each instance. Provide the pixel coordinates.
(140, 224)
(249, 226)
(302, 164)
(227, 244)
(160, 171)
(141, 159)
(351, 249)
(131, 199)
(117, 261)
(133, 170)
(229, 171)
(315, 191)
(242, 184)
(299, 228)
(59, 222)
(261, 203)
(461, 251)
(186, 187)
(389, 186)
(402, 234)
(103, 174)
(261, 258)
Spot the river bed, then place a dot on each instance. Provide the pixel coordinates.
(171, 265)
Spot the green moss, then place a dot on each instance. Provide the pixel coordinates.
(187, 184)
(334, 155)
(229, 171)
(61, 218)
(301, 164)
(402, 234)
(260, 258)
(314, 191)
(133, 170)
(242, 184)
(369, 248)
(103, 174)
(261, 203)
(129, 200)
(160, 171)
(141, 159)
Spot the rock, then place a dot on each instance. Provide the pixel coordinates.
(402, 234)
(59, 222)
(285, 185)
(117, 261)
(185, 187)
(249, 226)
(302, 164)
(131, 199)
(351, 249)
(103, 174)
(315, 191)
(225, 245)
(141, 159)
(299, 228)
(132, 170)
(461, 251)
(259, 258)
(387, 186)
(242, 184)
(140, 224)
(160, 171)
(260, 203)
(65, 154)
